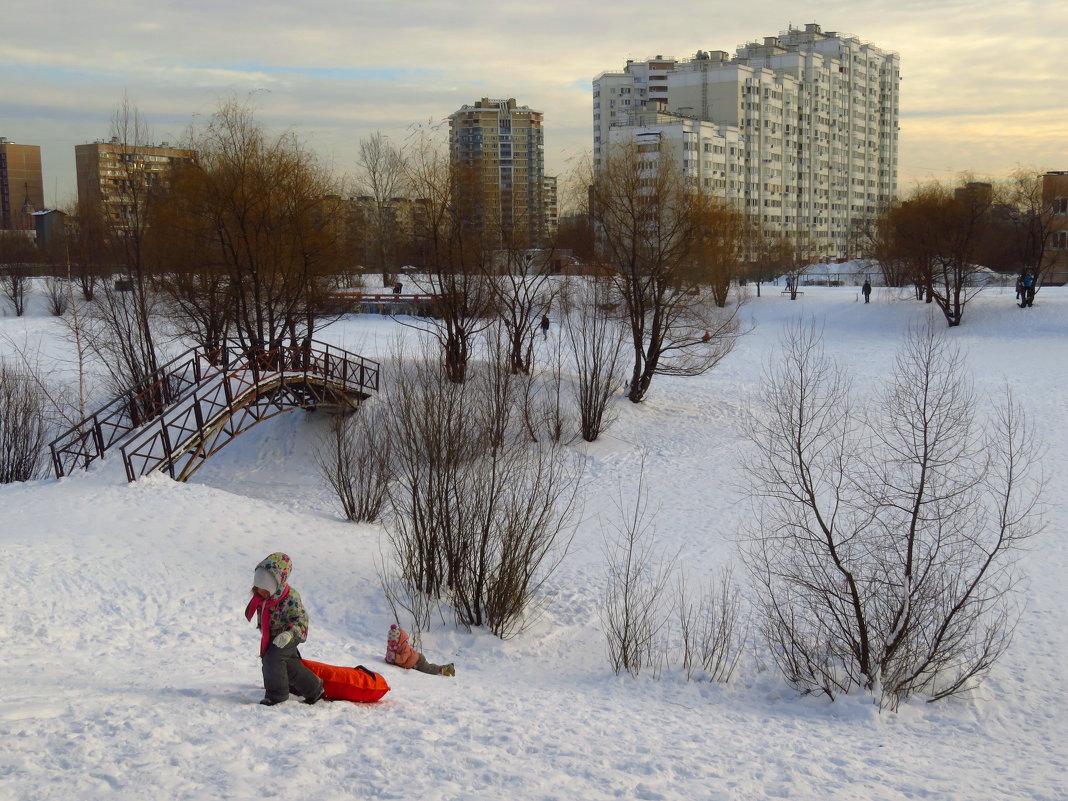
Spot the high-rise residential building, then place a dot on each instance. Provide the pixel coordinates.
(799, 130)
(502, 146)
(21, 185)
(115, 177)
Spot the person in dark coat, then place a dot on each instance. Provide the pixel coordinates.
(545, 326)
(1027, 291)
(866, 289)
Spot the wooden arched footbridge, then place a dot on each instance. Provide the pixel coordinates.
(200, 401)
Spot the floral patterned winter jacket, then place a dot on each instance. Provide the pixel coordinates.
(284, 609)
(400, 652)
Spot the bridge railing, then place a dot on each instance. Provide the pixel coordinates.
(90, 438)
(185, 425)
(115, 421)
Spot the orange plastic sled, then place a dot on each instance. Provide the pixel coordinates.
(349, 683)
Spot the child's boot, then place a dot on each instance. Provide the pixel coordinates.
(448, 670)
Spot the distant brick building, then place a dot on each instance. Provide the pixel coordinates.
(1055, 196)
(21, 184)
(113, 176)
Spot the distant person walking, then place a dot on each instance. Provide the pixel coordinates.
(1027, 291)
(545, 326)
(866, 289)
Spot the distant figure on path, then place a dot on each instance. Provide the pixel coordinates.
(398, 288)
(866, 289)
(545, 326)
(1027, 291)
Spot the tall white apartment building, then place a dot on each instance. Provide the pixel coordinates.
(799, 130)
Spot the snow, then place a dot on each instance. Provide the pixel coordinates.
(131, 673)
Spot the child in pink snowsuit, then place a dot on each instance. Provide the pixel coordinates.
(399, 652)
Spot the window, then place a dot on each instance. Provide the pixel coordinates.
(1060, 240)
(1060, 205)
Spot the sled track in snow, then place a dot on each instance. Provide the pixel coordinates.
(199, 402)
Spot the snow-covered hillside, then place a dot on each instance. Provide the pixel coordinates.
(131, 673)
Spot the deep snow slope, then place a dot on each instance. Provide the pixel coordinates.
(131, 673)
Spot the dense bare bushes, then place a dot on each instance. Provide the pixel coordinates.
(479, 514)
(356, 462)
(23, 426)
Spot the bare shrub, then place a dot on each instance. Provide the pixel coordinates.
(120, 328)
(712, 631)
(633, 611)
(58, 292)
(356, 462)
(596, 341)
(481, 516)
(884, 543)
(544, 400)
(15, 282)
(23, 426)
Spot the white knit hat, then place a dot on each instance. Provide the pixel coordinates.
(264, 579)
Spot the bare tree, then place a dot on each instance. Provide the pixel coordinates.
(121, 325)
(596, 342)
(449, 245)
(522, 291)
(940, 234)
(721, 236)
(647, 218)
(546, 406)
(23, 426)
(261, 226)
(884, 543)
(1022, 226)
(198, 297)
(87, 257)
(382, 177)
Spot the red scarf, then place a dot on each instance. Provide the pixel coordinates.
(264, 606)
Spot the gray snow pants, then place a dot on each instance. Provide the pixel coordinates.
(283, 670)
(426, 667)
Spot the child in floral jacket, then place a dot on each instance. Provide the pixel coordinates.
(399, 652)
(283, 624)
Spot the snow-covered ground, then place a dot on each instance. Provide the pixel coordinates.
(129, 671)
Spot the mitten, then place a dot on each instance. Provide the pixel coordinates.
(283, 639)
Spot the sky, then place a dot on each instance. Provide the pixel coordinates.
(983, 83)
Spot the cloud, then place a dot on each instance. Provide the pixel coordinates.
(337, 70)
